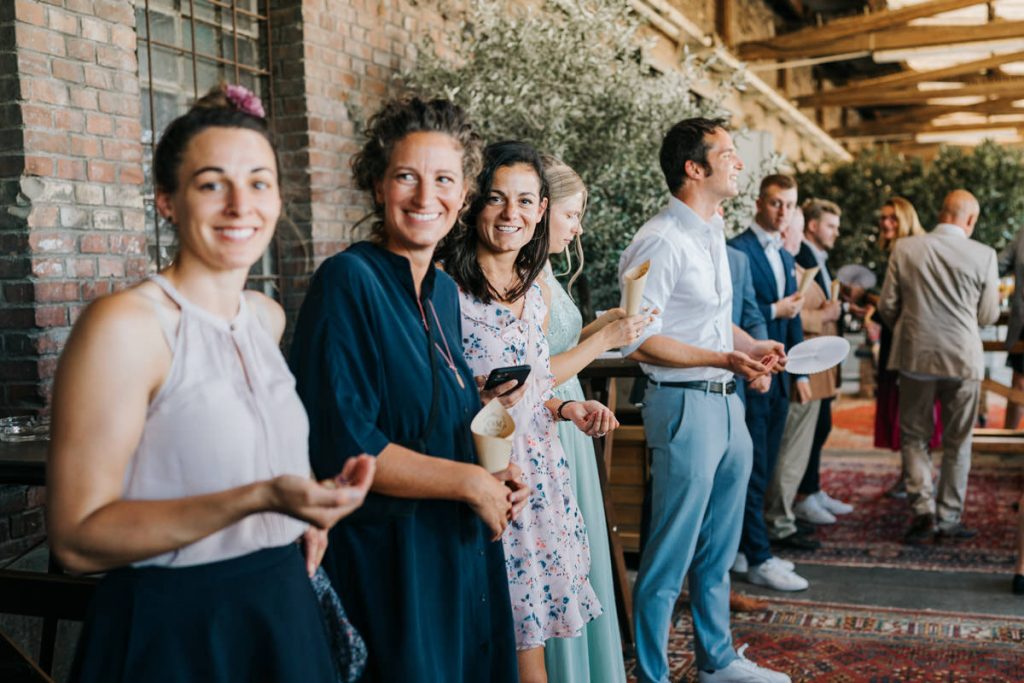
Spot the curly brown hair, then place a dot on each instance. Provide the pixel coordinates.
(389, 126)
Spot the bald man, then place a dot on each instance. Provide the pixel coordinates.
(939, 288)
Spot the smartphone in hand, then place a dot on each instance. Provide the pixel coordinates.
(499, 376)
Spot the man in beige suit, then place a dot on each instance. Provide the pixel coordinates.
(819, 316)
(938, 289)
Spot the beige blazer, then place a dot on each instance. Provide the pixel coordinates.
(938, 289)
(824, 384)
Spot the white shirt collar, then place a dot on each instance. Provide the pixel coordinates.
(819, 254)
(687, 217)
(767, 239)
(949, 229)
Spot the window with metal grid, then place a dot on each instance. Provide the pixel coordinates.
(186, 47)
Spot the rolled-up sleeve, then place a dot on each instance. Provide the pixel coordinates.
(336, 359)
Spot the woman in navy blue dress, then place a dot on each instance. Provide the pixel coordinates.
(377, 356)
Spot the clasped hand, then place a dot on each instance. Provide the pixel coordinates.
(763, 358)
(623, 330)
(590, 417)
(497, 498)
(790, 306)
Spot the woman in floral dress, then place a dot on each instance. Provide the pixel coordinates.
(496, 260)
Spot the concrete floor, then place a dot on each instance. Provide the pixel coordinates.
(967, 592)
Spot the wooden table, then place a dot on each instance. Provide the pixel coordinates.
(52, 595)
(598, 380)
(23, 463)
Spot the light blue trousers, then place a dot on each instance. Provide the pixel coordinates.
(701, 459)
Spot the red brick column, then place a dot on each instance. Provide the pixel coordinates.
(350, 51)
(75, 230)
(70, 178)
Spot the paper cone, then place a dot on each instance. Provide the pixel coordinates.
(806, 279)
(635, 279)
(492, 431)
(836, 285)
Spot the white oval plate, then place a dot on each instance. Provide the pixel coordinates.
(816, 355)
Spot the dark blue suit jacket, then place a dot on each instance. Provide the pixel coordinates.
(789, 332)
(805, 257)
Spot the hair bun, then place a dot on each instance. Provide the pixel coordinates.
(234, 97)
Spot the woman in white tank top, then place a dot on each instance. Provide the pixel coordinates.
(178, 462)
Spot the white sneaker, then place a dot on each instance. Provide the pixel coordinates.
(742, 670)
(772, 574)
(740, 566)
(836, 507)
(811, 510)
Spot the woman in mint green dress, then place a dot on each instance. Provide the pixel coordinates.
(595, 656)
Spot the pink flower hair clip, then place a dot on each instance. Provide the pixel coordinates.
(245, 100)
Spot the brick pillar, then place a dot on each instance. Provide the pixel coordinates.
(73, 229)
(70, 181)
(291, 134)
(333, 65)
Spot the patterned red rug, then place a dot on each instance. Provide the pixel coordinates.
(824, 643)
(872, 535)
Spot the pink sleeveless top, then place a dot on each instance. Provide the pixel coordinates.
(227, 415)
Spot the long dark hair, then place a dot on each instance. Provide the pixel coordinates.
(458, 250)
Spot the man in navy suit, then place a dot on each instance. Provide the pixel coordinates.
(774, 278)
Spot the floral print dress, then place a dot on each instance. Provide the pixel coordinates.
(546, 548)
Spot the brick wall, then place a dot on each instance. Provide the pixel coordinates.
(350, 50)
(73, 226)
(70, 181)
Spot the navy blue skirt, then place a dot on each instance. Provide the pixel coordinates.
(251, 618)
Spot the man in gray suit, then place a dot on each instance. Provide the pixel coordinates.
(938, 289)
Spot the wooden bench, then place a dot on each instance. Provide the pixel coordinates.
(15, 665)
(51, 596)
(626, 483)
(999, 441)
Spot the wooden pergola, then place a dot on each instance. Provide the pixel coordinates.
(923, 71)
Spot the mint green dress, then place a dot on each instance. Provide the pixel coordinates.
(596, 655)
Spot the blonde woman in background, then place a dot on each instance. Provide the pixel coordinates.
(596, 656)
(897, 220)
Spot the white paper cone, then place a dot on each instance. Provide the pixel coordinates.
(807, 279)
(492, 431)
(635, 279)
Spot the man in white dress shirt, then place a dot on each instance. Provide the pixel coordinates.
(693, 419)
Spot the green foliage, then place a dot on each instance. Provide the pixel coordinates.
(994, 174)
(570, 77)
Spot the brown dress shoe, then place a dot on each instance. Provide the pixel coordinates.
(738, 602)
(922, 530)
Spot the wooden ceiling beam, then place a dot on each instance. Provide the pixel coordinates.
(912, 129)
(896, 38)
(906, 78)
(925, 115)
(1004, 87)
(851, 26)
